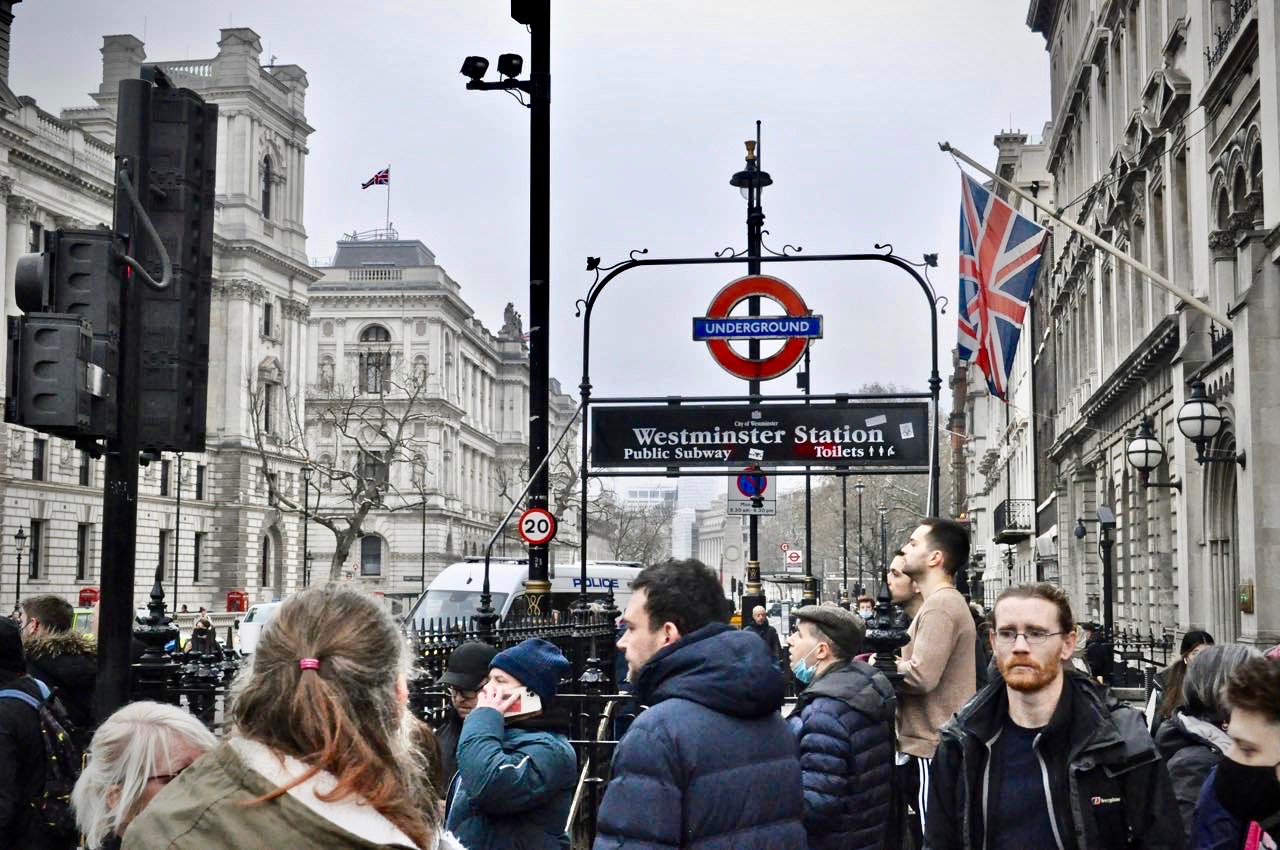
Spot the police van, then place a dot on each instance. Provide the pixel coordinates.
(455, 592)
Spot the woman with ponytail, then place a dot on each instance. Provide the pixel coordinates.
(322, 752)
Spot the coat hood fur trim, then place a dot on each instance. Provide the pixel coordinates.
(57, 644)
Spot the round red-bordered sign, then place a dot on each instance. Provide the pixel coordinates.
(734, 294)
(537, 526)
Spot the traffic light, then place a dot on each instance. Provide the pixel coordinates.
(174, 327)
(58, 382)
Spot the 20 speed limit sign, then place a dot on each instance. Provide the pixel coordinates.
(537, 526)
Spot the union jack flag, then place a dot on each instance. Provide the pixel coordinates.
(382, 178)
(1000, 253)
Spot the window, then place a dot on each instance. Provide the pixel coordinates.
(37, 548)
(273, 485)
(86, 470)
(36, 243)
(373, 467)
(164, 477)
(370, 555)
(84, 550)
(197, 554)
(163, 554)
(267, 323)
(266, 186)
(39, 448)
(268, 399)
(375, 333)
(264, 567)
(200, 481)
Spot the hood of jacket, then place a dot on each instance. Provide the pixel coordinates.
(1183, 730)
(860, 686)
(718, 666)
(68, 644)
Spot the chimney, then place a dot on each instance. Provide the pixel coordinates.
(237, 61)
(122, 58)
(6, 24)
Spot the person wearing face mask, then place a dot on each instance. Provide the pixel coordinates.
(866, 607)
(1239, 805)
(843, 723)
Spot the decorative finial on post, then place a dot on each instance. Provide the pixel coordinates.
(751, 150)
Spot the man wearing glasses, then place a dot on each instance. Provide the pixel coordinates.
(1044, 757)
(466, 674)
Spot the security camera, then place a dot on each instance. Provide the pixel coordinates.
(474, 67)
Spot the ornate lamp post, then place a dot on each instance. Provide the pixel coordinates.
(306, 471)
(860, 588)
(19, 540)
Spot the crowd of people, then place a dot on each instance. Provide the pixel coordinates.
(992, 732)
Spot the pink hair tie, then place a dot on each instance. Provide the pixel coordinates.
(308, 663)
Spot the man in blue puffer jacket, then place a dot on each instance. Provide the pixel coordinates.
(709, 764)
(844, 723)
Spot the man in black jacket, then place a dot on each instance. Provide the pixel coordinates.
(65, 660)
(709, 764)
(465, 675)
(22, 757)
(1043, 757)
(760, 625)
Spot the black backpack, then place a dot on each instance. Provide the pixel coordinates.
(62, 761)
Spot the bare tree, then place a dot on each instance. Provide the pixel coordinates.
(634, 532)
(372, 428)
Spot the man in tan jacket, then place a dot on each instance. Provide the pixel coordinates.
(937, 666)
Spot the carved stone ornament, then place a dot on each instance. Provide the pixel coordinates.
(294, 309)
(6, 187)
(512, 326)
(21, 207)
(327, 329)
(1241, 220)
(1222, 241)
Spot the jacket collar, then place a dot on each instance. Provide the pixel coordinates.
(351, 813)
(1205, 730)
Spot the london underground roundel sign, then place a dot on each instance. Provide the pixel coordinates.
(537, 526)
(796, 327)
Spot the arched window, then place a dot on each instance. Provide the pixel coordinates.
(1239, 188)
(1223, 211)
(374, 365)
(266, 186)
(371, 555)
(375, 333)
(264, 565)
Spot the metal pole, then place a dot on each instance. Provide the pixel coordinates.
(120, 478)
(306, 521)
(177, 534)
(810, 585)
(423, 581)
(755, 223)
(18, 601)
(862, 549)
(1105, 544)
(844, 538)
(538, 585)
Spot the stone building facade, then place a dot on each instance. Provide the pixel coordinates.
(55, 172)
(1165, 141)
(389, 326)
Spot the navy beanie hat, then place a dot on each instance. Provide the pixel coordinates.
(538, 664)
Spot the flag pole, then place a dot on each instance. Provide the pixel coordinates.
(388, 234)
(1151, 274)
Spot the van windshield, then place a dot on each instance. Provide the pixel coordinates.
(452, 603)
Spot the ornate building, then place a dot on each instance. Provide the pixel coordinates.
(1166, 142)
(56, 173)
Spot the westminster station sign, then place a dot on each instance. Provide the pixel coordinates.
(887, 434)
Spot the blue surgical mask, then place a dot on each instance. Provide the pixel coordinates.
(866, 615)
(804, 673)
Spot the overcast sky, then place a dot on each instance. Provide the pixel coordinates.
(650, 104)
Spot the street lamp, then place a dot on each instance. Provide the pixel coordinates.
(1106, 529)
(306, 471)
(1200, 420)
(1145, 453)
(844, 542)
(20, 540)
(884, 542)
(860, 588)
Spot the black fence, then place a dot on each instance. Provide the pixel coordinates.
(1138, 657)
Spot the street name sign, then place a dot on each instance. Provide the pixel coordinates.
(797, 327)
(891, 434)
(749, 494)
(537, 526)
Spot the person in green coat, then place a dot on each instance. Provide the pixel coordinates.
(321, 754)
(515, 777)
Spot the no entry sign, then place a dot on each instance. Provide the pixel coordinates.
(537, 526)
(797, 327)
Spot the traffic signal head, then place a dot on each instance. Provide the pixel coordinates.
(474, 67)
(49, 373)
(510, 64)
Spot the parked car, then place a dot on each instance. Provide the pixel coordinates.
(251, 626)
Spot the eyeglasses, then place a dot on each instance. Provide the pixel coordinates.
(460, 693)
(1035, 637)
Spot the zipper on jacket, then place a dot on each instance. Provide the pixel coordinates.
(1048, 794)
(986, 791)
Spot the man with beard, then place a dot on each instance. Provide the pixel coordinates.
(1239, 805)
(902, 588)
(1044, 757)
(938, 666)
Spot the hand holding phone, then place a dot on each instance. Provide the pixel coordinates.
(526, 704)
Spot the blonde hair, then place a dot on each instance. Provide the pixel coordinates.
(343, 716)
(124, 753)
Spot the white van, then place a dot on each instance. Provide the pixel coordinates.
(251, 626)
(455, 592)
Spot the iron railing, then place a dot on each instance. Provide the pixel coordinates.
(1224, 36)
(1014, 520)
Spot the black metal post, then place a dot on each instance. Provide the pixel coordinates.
(423, 567)
(754, 594)
(120, 479)
(1105, 544)
(862, 548)
(20, 536)
(306, 521)
(844, 542)
(810, 596)
(538, 585)
(177, 532)
(884, 545)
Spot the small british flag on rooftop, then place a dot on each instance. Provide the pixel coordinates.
(382, 178)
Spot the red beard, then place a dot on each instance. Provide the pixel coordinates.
(1023, 673)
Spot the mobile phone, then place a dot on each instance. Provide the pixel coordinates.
(526, 704)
